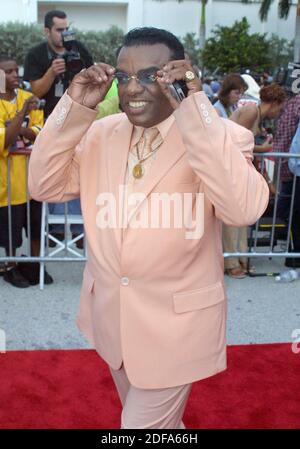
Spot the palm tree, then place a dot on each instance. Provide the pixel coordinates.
(202, 28)
(202, 25)
(283, 11)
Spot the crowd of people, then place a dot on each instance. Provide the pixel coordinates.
(236, 97)
(256, 107)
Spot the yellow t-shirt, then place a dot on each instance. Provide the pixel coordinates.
(18, 181)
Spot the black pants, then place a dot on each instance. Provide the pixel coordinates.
(284, 203)
(19, 221)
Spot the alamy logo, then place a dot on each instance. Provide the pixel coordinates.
(296, 338)
(296, 83)
(2, 82)
(2, 341)
(159, 210)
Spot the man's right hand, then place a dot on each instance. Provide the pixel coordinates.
(90, 86)
(29, 105)
(58, 66)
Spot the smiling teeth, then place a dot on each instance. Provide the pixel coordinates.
(137, 104)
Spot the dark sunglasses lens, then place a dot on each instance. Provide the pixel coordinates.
(122, 78)
(147, 79)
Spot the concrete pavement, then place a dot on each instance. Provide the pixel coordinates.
(260, 310)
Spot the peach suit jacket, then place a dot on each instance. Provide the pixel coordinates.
(151, 298)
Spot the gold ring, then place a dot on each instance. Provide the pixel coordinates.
(189, 75)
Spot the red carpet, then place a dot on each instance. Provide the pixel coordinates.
(73, 389)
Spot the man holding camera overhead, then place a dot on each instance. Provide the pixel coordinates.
(50, 67)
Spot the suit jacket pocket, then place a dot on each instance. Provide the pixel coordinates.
(201, 298)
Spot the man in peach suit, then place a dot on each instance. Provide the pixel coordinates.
(152, 301)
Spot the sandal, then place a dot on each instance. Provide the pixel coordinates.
(250, 270)
(236, 273)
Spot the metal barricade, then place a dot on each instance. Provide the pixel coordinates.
(66, 253)
(274, 222)
(65, 246)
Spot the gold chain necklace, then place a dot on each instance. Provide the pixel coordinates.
(138, 170)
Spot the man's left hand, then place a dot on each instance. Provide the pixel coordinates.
(30, 104)
(175, 71)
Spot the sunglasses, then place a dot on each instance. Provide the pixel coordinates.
(144, 78)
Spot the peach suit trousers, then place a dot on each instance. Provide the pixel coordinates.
(150, 409)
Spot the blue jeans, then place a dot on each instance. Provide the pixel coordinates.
(73, 207)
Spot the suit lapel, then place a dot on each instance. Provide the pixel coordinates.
(118, 149)
(167, 155)
(119, 143)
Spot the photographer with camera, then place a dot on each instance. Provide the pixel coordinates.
(50, 67)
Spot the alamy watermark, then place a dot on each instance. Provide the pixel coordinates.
(2, 342)
(159, 210)
(2, 82)
(296, 83)
(296, 338)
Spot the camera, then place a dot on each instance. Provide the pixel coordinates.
(72, 57)
(40, 104)
(179, 90)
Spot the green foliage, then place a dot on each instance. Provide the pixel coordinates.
(233, 49)
(17, 38)
(102, 45)
(281, 51)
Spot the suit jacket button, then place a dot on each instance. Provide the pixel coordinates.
(125, 281)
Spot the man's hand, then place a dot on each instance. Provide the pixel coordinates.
(28, 134)
(29, 105)
(176, 71)
(15, 126)
(91, 85)
(58, 66)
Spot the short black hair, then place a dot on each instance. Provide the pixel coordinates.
(152, 36)
(48, 21)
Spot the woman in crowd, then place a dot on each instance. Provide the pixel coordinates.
(272, 98)
(234, 239)
(251, 116)
(231, 91)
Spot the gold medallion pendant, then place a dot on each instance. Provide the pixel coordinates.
(137, 171)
